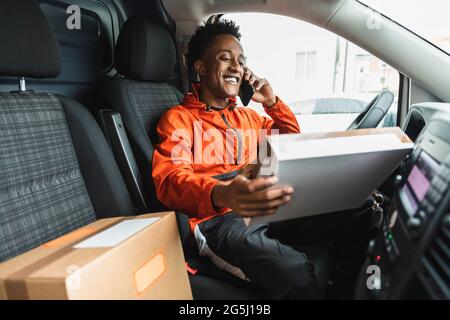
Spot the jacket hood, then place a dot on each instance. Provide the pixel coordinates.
(191, 99)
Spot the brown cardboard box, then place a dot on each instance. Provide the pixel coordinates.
(122, 258)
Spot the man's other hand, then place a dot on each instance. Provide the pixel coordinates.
(249, 198)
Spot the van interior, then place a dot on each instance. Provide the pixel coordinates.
(80, 101)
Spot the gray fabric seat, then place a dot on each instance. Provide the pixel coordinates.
(145, 56)
(57, 172)
(141, 104)
(43, 194)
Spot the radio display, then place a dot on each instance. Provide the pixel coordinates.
(418, 182)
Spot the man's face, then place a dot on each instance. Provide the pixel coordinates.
(221, 69)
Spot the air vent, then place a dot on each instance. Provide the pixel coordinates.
(436, 262)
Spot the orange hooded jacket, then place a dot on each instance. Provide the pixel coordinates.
(198, 143)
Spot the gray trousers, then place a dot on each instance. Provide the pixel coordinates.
(268, 255)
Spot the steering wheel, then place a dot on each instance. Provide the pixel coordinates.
(374, 111)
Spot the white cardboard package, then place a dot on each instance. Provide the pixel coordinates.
(332, 171)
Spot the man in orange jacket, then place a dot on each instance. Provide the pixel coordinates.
(205, 143)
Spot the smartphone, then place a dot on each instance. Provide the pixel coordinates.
(246, 92)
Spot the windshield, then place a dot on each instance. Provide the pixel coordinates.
(427, 18)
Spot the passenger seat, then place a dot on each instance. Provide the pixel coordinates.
(57, 172)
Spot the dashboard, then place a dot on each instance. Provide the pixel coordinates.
(412, 249)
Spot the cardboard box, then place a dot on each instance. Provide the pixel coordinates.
(331, 171)
(137, 257)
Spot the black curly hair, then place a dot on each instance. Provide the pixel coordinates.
(205, 33)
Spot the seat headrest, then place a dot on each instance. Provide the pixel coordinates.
(145, 51)
(29, 46)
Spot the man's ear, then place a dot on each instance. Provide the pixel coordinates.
(200, 68)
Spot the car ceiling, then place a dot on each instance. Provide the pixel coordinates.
(195, 10)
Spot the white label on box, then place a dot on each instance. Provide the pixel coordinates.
(116, 234)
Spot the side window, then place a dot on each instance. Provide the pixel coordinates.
(325, 79)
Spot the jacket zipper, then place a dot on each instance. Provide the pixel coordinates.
(238, 160)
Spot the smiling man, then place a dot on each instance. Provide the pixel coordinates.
(214, 192)
(193, 187)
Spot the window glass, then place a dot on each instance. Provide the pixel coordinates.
(325, 79)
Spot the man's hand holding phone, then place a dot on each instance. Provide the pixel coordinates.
(263, 92)
(251, 197)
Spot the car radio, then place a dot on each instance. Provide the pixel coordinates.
(412, 251)
(423, 191)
